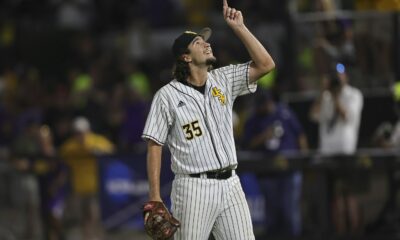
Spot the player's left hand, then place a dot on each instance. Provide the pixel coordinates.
(233, 17)
(158, 222)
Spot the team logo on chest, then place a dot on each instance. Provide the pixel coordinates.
(216, 92)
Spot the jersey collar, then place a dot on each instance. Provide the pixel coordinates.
(189, 90)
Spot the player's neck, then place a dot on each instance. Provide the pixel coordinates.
(198, 76)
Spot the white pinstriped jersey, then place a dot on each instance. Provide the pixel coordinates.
(198, 128)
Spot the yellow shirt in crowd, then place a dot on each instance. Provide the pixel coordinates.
(82, 161)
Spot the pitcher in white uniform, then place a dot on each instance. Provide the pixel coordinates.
(192, 115)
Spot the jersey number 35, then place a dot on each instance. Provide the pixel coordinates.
(192, 129)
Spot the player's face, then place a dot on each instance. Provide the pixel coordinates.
(201, 52)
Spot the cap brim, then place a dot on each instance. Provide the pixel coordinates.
(205, 33)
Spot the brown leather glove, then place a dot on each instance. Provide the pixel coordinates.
(159, 223)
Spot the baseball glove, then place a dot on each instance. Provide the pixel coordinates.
(159, 223)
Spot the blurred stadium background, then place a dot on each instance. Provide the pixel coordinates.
(104, 59)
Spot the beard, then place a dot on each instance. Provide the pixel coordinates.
(211, 61)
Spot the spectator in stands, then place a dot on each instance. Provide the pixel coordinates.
(382, 136)
(338, 112)
(53, 185)
(8, 101)
(24, 195)
(387, 135)
(394, 141)
(334, 43)
(58, 114)
(79, 152)
(395, 137)
(135, 110)
(89, 93)
(43, 187)
(275, 129)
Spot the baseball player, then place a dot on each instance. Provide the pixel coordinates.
(192, 115)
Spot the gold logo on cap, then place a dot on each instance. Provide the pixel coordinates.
(190, 32)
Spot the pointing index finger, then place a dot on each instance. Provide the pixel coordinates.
(225, 3)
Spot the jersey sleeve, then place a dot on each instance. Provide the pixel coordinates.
(158, 121)
(237, 79)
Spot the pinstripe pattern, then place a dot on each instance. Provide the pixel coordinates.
(198, 131)
(208, 205)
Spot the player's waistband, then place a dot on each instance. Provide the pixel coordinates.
(218, 174)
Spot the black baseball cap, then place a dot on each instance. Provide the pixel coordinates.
(182, 42)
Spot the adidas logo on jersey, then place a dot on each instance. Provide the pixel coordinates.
(181, 104)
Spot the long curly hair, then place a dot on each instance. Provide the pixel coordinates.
(181, 70)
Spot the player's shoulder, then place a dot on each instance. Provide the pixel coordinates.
(219, 74)
(168, 92)
(161, 95)
(223, 69)
(164, 91)
(231, 69)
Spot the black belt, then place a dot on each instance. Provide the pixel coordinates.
(223, 174)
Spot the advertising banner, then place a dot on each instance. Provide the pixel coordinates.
(124, 189)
